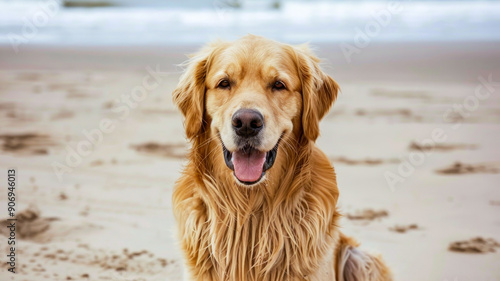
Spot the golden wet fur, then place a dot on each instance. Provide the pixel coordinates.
(285, 227)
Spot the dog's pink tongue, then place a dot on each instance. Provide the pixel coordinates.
(248, 166)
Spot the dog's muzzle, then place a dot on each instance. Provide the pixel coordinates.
(248, 162)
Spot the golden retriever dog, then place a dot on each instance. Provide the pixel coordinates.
(257, 198)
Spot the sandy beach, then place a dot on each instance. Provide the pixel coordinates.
(414, 145)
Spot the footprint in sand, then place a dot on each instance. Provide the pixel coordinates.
(460, 168)
(367, 214)
(442, 147)
(475, 245)
(29, 223)
(366, 161)
(403, 228)
(162, 150)
(26, 143)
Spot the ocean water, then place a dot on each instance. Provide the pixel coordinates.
(168, 23)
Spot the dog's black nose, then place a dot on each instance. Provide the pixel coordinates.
(247, 122)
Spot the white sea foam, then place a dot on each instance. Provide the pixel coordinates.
(293, 22)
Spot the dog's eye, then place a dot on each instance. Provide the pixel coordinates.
(223, 84)
(278, 85)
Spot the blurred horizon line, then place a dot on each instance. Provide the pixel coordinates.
(290, 21)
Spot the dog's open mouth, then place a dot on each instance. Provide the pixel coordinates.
(249, 164)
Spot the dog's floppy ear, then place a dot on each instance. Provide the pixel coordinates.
(353, 264)
(189, 96)
(319, 91)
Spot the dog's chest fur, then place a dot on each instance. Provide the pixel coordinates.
(288, 243)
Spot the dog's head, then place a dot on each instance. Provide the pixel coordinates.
(250, 95)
